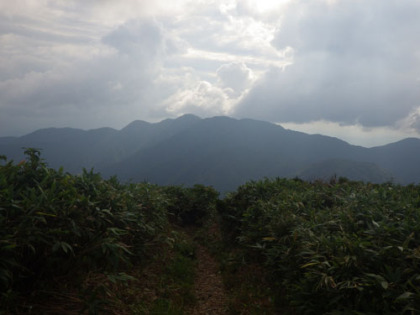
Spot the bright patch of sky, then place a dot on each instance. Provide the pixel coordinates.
(353, 134)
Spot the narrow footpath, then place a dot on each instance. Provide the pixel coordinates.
(209, 288)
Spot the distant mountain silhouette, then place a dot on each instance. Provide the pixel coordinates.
(219, 151)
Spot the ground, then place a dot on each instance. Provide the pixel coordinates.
(208, 287)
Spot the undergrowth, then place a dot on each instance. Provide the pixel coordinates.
(330, 248)
(79, 241)
(83, 244)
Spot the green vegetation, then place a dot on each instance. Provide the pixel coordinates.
(56, 228)
(78, 238)
(331, 248)
(86, 244)
(167, 280)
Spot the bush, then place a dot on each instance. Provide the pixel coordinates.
(191, 206)
(336, 248)
(55, 227)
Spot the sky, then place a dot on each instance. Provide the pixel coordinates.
(344, 68)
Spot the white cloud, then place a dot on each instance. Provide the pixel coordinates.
(236, 76)
(104, 63)
(353, 134)
(264, 6)
(203, 98)
(114, 57)
(410, 123)
(354, 62)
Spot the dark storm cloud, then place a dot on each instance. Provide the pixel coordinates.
(354, 62)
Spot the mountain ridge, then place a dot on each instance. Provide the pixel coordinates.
(220, 151)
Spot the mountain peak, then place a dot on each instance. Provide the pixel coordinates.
(135, 125)
(184, 120)
(188, 117)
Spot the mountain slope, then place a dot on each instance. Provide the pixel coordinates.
(75, 149)
(219, 151)
(225, 153)
(358, 171)
(401, 158)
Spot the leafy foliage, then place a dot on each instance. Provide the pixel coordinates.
(332, 248)
(55, 227)
(326, 248)
(192, 206)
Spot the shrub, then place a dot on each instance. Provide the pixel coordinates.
(191, 206)
(56, 227)
(336, 248)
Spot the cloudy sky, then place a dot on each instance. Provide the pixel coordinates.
(347, 68)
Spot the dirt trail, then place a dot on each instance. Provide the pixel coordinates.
(209, 288)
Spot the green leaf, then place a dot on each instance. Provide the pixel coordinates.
(66, 247)
(309, 264)
(404, 296)
(384, 284)
(376, 224)
(269, 238)
(46, 214)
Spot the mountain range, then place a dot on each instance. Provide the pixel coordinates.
(219, 151)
